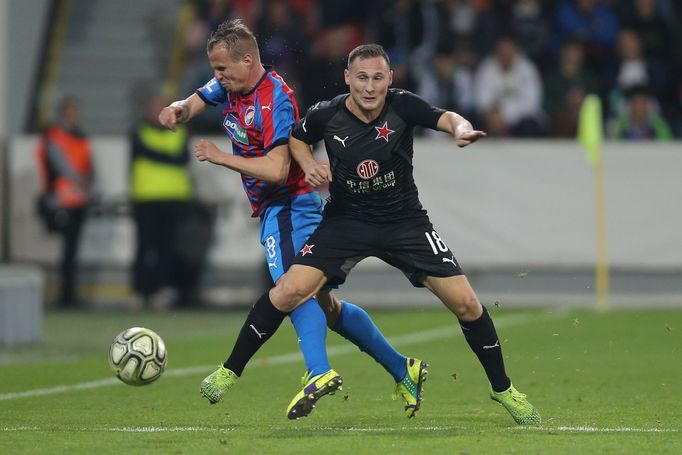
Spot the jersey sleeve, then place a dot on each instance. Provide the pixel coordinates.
(277, 122)
(311, 128)
(416, 110)
(212, 93)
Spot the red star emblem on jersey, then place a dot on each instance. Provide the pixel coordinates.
(307, 249)
(383, 132)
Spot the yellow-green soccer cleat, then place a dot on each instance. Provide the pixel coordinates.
(411, 386)
(313, 389)
(520, 409)
(217, 383)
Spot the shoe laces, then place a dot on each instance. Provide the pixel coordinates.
(518, 396)
(305, 379)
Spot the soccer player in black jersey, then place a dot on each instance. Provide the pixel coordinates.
(259, 111)
(374, 209)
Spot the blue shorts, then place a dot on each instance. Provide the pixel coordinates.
(285, 226)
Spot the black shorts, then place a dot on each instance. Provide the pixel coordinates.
(411, 245)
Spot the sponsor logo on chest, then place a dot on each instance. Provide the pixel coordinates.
(235, 130)
(367, 169)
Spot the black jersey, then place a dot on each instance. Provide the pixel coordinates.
(371, 162)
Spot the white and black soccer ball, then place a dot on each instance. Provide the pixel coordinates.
(138, 356)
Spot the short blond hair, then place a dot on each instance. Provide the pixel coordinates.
(236, 37)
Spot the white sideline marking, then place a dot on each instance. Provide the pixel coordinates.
(351, 429)
(400, 340)
(603, 430)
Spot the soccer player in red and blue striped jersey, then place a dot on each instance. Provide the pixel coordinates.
(259, 112)
(257, 122)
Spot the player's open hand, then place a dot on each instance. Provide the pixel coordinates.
(318, 174)
(170, 116)
(465, 138)
(207, 151)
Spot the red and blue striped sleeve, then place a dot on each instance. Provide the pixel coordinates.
(212, 93)
(278, 121)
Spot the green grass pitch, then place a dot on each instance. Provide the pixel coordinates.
(604, 383)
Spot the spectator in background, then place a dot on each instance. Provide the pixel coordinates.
(208, 15)
(330, 48)
(526, 21)
(64, 159)
(331, 13)
(402, 71)
(565, 90)
(282, 41)
(474, 21)
(160, 190)
(593, 23)
(508, 92)
(449, 83)
(463, 17)
(640, 121)
(411, 31)
(399, 24)
(338, 28)
(653, 29)
(633, 69)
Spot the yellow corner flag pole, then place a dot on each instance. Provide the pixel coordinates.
(590, 136)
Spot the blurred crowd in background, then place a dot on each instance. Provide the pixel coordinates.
(516, 68)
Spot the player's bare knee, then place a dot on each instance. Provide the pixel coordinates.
(467, 308)
(289, 294)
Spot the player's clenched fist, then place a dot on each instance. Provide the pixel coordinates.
(317, 174)
(207, 151)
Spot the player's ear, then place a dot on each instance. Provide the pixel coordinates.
(346, 76)
(247, 59)
(390, 77)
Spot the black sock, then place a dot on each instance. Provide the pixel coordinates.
(261, 323)
(481, 336)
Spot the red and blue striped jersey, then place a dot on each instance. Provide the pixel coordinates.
(256, 122)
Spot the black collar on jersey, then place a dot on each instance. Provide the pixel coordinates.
(267, 69)
(362, 122)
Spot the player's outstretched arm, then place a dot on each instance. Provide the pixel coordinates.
(315, 173)
(460, 128)
(181, 111)
(273, 167)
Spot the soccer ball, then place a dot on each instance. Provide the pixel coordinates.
(138, 356)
